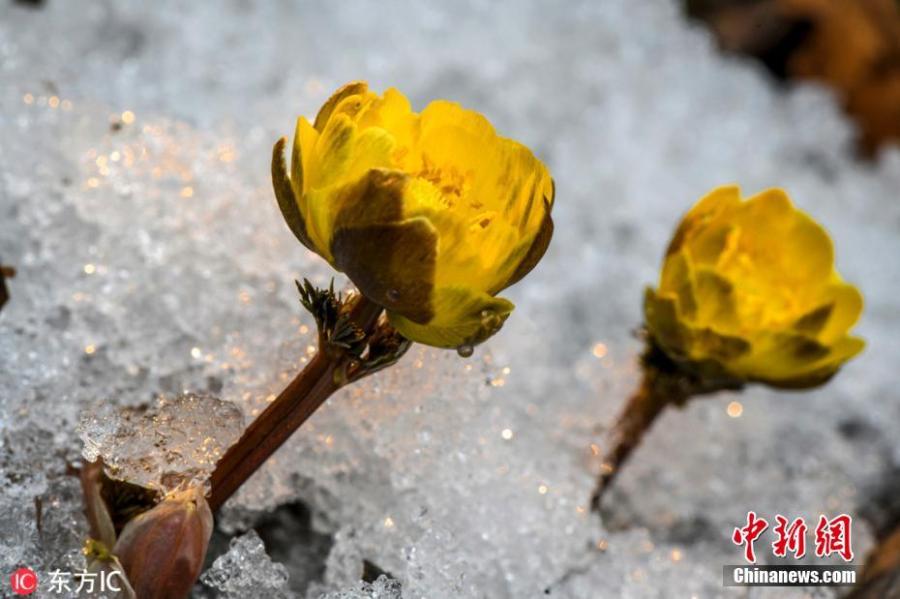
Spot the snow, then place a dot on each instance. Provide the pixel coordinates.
(136, 205)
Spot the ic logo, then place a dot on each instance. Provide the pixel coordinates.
(23, 581)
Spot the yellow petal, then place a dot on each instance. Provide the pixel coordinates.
(706, 246)
(798, 363)
(345, 152)
(488, 196)
(535, 251)
(462, 317)
(442, 115)
(795, 249)
(303, 155)
(848, 304)
(354, 88)
(844, 349)
(782, 356)
(715, 300)
(810, 255)
(717, 202)
(677, 278)
(392, 112)
(351, 155)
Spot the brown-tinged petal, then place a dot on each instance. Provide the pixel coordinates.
(718, 346)
(535, 252)
(822, 362)
(661, 314)
(814, 321)
(392, 264)
(721, 199)
(375, 199)
(284, 193)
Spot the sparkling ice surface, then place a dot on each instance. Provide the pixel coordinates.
(382, 588)
(136, 204)
(173, 445)
(245, 570)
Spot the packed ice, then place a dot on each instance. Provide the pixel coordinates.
(173, 444)
(136, 207)
(245, 570)
(382, 588)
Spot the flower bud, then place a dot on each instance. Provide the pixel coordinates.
(162, 550)
(749, 292)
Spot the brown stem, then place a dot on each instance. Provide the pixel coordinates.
(664, 382)
(323, 375)
(636, 418)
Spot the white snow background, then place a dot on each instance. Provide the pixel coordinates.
(152, 259)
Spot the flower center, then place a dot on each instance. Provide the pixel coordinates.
(762, 300)
(447, 179)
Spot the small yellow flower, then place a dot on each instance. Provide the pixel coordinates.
(430, 215)
(749, 291)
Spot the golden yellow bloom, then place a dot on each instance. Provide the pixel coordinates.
(749, 291)
(430, 215)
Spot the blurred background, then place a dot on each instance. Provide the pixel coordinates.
(150, 259)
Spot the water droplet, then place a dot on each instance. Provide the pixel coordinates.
(465, 350)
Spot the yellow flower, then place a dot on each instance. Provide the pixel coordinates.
(749, 291)
(430, 215)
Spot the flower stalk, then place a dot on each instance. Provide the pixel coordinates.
(663, 383)
(353, 342)
(637, 416)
